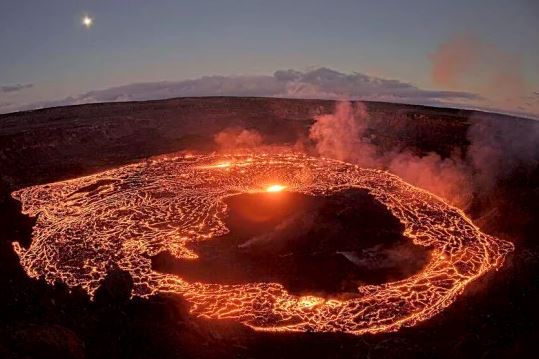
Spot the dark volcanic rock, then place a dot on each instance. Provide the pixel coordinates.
(47, 341)
(116, 288)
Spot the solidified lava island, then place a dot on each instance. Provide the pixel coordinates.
(123, 217)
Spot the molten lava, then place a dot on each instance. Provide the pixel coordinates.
(275, 188)
(122, 217)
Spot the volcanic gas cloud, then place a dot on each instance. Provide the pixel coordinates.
(122, 217)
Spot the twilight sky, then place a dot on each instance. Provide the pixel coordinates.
(473, 54)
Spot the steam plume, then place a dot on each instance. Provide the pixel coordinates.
(343, 135)
(340, 135)
(497, 149)
(233, 138)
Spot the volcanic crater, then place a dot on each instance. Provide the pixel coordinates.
(318, 245)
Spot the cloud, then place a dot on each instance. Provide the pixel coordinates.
(333, 84)
(318, 83)
(15, 88)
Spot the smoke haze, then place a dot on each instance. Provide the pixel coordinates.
(467, 61)
(496, 149)
(235, 138)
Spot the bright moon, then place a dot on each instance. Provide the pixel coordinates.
(87, 21)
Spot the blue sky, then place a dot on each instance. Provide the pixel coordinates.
(43, 44)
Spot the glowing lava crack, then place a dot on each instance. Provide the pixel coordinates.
(121, 217)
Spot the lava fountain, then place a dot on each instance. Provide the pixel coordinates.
(122, 217)
(275, 188)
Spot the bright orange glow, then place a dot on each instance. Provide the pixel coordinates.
(122, 217)
(275, 188)
(223, 165)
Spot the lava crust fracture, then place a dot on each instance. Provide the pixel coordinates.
(122, 217)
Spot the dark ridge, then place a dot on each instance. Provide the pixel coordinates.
(14, 225)
(64, 142)
(95, 186)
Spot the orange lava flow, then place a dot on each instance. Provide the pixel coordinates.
(121, 217)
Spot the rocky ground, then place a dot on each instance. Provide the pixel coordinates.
(496, 317)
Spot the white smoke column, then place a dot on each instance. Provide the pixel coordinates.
(340, 135)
